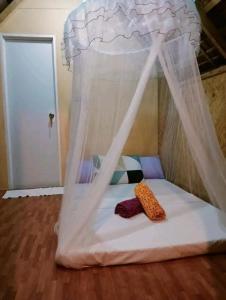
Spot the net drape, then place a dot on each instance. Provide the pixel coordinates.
(180, 68)
(116, 49)
(89, 138)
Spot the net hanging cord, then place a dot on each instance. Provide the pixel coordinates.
(111, 159)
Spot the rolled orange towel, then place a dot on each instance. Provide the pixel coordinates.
(150, 204)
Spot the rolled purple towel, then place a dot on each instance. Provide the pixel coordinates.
(129, 208)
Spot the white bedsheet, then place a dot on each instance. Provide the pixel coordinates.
(192, 227)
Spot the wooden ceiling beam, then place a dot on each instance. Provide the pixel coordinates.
(3, 4)
(10, 8)
(207, 56)
(203, 63)
(215, 72)
(211, 49)
(210, 5)
(211, 31)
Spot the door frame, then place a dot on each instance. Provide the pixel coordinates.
(4, 37)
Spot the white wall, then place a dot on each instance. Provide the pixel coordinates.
(48, 17)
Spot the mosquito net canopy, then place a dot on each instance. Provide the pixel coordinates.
(119, 52)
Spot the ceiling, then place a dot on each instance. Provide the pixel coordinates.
(213, 39)
(4, 4)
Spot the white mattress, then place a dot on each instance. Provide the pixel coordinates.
(192, 227)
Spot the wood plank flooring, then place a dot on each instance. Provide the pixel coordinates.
(28, 271)
(2, 192)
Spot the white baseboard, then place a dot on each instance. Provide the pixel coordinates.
(34, 192)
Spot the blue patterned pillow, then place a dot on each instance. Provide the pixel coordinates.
(128, 169)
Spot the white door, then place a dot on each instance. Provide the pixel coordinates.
(30, 98)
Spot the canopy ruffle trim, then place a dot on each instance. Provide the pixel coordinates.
(97, 23)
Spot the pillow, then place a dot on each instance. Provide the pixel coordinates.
(129, 208)
(86, 171)
(128, 169)
(150, 204)
(151, 167)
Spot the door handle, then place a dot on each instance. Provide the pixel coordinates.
(51, 117)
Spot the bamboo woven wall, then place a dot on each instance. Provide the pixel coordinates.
(176, 158)
(215, 88)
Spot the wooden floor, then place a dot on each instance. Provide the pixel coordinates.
(28, 271)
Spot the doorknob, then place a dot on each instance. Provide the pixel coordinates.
(51, 117)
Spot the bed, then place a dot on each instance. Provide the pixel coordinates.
(192, 227)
